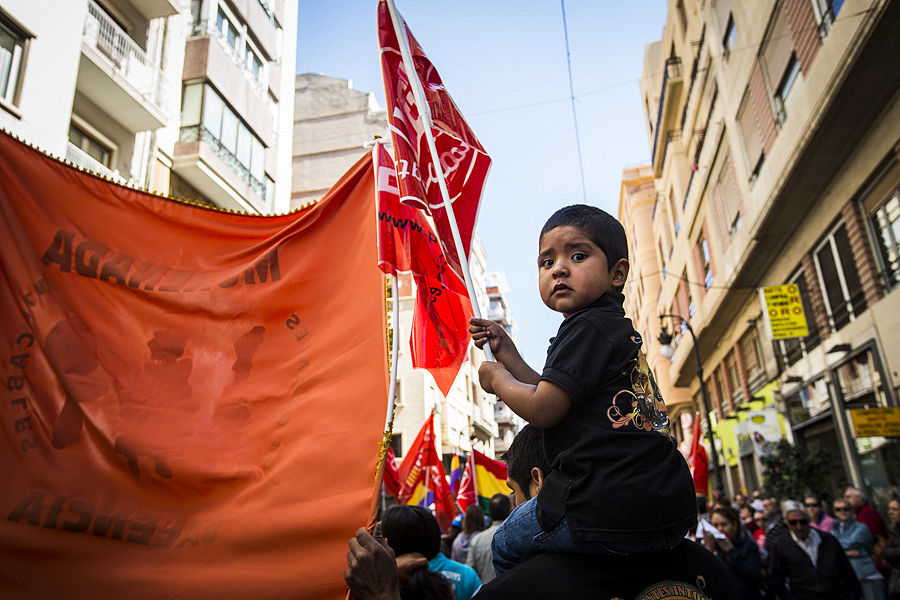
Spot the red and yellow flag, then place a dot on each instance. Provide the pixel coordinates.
(482, 478)
(192, 400)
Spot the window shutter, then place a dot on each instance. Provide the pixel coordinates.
(750, 133)
(779, 48)
(762, 107)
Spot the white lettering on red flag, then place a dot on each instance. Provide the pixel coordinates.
(463, 160)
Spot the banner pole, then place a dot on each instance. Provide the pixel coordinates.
(425, 111)
(395, 353)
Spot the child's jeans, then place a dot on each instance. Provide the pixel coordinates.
(520, 537)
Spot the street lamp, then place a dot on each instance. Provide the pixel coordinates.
(667, 351)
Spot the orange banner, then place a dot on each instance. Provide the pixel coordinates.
(193, 400)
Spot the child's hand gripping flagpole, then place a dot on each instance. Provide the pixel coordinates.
(425, 111)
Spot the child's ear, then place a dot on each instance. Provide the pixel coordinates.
(619, 273)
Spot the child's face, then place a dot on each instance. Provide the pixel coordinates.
(572, 270)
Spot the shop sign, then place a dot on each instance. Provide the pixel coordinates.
(784, 311)
(876, 422)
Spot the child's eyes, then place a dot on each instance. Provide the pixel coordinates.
(578, 256)
(546, 263)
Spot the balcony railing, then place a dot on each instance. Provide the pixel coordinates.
(128, 60)
(236, 53)
(80, 158)
(196, 133)
(672, 71)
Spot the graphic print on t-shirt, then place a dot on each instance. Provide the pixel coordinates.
(642, 405)
(671, 590)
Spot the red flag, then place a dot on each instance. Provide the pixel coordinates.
(698, 461)
(440, 334)
(422, 467)
(466, 496)
(391, 476)
(464, 162)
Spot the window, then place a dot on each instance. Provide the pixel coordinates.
(726, 24)
(753, 150)
(97, 150)
(734, 379)
(254, 64)
(227, 30)
(841, 286)
(13, 42)
(705, 261)
(885, 223)
(682, 15)
(826, 12)
(784, 92)
(779, 64)
(752, 355)
(728, 199)
(218, 126)
(793, 349)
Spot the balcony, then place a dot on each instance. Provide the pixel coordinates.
(154, 9)
(669, 99)
(202, 160)
(82, 159)
(118, 76)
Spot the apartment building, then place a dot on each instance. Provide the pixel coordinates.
(774, 128)
(643, 286)
(334, 125)
(499, 310)
(181, 97)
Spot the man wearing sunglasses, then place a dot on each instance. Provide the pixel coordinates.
(811, 563)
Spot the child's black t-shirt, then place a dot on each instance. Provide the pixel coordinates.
(613, 476)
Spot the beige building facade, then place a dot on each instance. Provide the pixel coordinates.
(183, 97)
(636, 200)
(774, 128)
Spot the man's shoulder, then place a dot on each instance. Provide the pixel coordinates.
(686, 571)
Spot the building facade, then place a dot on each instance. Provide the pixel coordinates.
(636, 200)
(774, 128)
(333, 126)
(181, 97)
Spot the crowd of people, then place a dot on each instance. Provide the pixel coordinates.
(603, 504)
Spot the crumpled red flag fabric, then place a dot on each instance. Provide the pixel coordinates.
(698, 461)
(193, 400)
(440, 334)
(464, 162)
(422, 468)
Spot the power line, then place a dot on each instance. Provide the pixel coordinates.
(562, 4)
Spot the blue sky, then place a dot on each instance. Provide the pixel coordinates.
(504, 63)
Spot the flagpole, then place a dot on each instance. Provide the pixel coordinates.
(395, 353)
(425, 111)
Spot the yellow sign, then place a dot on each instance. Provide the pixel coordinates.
(876, 422)
(784, 308)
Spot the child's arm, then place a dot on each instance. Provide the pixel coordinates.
(543, 404)
(504, 349)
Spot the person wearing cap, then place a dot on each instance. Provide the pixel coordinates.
(811, 564)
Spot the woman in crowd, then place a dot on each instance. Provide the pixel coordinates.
(857, 541)
(746, 513)
(472, 524)
(737, 550)
(818, 516)
(759, 535)
(890, 552)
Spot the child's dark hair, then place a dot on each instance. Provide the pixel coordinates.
(601, 227)
(526, 452)
(411, 529)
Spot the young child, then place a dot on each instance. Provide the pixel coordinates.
(617, 483)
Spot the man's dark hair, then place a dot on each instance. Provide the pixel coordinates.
(499, 507)
(601, 227)
(525, 453)
(411, 529)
